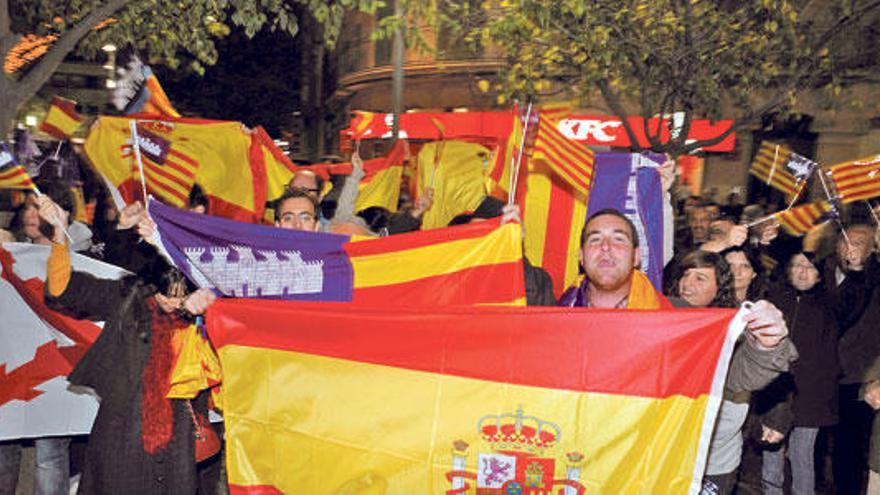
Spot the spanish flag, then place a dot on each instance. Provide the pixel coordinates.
(342, 398)
(61, 120)
(857, 179)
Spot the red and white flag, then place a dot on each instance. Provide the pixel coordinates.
(39, 348)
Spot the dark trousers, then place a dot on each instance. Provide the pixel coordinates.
(852, 440)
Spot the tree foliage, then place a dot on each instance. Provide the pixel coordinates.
(163, 31)
(705, 58)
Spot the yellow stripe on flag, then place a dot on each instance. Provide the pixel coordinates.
(296, 440)
(458, 179)
(501, 246)
(537, 210)
(383, 189)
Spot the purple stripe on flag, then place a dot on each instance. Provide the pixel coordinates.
(636, 192)
(246, 260)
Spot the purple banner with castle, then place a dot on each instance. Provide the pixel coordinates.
(239, 259)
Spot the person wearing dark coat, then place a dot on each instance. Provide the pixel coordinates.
(141, 441)
(801, 402)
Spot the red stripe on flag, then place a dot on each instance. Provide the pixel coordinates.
(158, 171)
(67, 106)
(14, 171)
(491, 282)
(556, 237)
(253, 490)
(422, 238)
(189, 160)
(53, 131)
(584, 350)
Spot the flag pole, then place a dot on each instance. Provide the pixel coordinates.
(514, 176)
(831, 201)
(66, 233)
(135, 143)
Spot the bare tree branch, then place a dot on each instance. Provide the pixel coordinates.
(616, 105)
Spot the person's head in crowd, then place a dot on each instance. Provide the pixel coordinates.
(377, 218)
(803, 274)
(307, 181)
(609, 251)
(168, 285)
(296, 209)
(198, 200)
(719, 228)
(855, 247)
(6, 236)
(705, 281)
(698, 221)
(714, 210)
(27, 224)
(748, 280)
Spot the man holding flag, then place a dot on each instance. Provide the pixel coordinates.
(609, 255)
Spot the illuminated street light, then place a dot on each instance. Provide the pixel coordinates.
(109, 48)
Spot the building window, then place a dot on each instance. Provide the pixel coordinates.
(383, 46)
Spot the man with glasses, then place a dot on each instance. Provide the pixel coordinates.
(296, 209)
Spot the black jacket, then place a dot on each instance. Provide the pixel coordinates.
(116, 461)
(810, 389)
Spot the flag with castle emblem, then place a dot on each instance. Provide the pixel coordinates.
(465, 265)
(465, 401)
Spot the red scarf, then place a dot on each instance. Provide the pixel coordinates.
(157, 417)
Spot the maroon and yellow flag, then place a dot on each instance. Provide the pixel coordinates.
(341, 398)
(858, 179)
(61, 119)
(798, 221)
(782, 169)
(570, 160)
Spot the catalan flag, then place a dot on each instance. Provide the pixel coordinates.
(782, 169)
(799, 220)
(465, 265)
(12, 175)
(61, 120)
(343, 398)
(857, 179)
(570, 160)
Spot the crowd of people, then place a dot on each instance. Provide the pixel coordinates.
(808, 364)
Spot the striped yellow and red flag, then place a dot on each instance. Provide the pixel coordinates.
(554, 213)
(13, 175)
(222, 157)
(799, 220)
(570, 160)
(782, 169)
(467, 400)
(857, 179)
(61, 119)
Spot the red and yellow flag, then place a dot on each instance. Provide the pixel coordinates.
(572, 161)
(220, 156)
(857, 179)
(61, 120)
(341, 398)
(798, 221)
(13, 175)
(782, 169)
(554, 213)
(456, 172)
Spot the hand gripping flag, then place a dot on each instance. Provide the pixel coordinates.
(782, 169)
(39, 347)
(341, 398)
(12, 175)
(857, 179)
(61, 119)
(798, 221)
(472, 264)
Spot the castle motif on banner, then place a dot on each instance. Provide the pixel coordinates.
(515, 464)
(241, 272)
